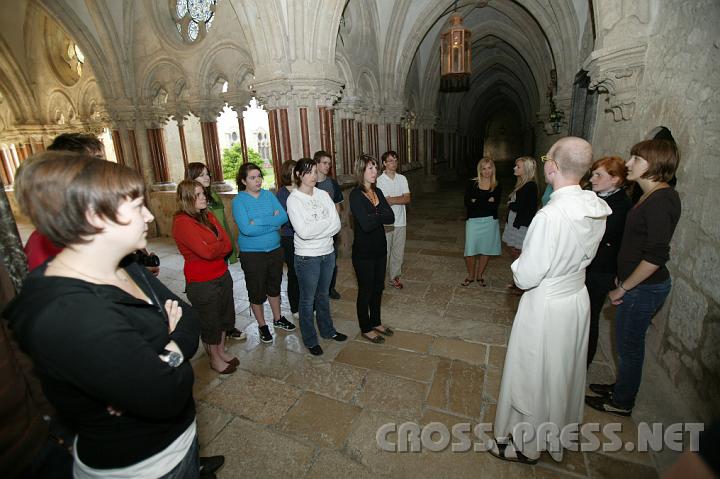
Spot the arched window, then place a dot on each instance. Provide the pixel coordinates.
(193, 18)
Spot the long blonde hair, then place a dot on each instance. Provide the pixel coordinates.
(484, 161)
(529, 167)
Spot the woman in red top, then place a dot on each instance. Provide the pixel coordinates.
(204, 244)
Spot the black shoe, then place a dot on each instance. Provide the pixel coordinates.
(605, 404)
(339, 337)
(208, 465)
(316, 350)
(284, 324)
(604, 390)
(334, 294)
(265, 335)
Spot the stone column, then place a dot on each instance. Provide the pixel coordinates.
(180, 119)
(118, 147)
(243, 139)
(213, 158)
(158, 156)
(295, 128)
(7, 167)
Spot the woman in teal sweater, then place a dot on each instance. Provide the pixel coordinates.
(259, 216)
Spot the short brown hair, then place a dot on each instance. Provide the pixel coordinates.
(56, 189)
(662, 157)
(302, 168)
(79, 143)
(614, 165)
(243, 173)
(361, 165)
(321, 154)
(286, 172)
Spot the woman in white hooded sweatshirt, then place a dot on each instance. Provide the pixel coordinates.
(315, 221)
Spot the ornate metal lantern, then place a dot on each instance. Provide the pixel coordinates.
(455, 60)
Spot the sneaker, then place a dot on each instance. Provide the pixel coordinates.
(339, 337)
(396, 283)
(606, 404)
(283, 323)
(235, 333)
(296, 316)
(604, 390)
(334, 294)
(316, 350)
(265, 335)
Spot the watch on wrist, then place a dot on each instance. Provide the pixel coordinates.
(173, 358)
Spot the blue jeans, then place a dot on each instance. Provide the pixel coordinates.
(632, 320)
(314, 274)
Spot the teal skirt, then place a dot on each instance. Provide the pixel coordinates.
(482, 236)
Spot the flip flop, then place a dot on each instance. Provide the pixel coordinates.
(481, 281)
(467, 282)
(387, 331)
(377, 339)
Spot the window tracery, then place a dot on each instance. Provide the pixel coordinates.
(193, 18)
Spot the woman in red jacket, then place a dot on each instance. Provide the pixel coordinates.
(204, 244)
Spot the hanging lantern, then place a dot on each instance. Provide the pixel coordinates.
(455, 67)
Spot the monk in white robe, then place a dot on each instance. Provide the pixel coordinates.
(544, 375)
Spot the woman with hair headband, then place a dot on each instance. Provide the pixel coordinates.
(204, 244)
(522, 206)
(482, 231)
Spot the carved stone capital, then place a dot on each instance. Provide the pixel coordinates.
(298, 92)
(617, 73)
(207, 110)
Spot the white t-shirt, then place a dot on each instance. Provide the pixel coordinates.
(395, 187)
(315, 221)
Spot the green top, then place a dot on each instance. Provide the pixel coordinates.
(215, 205)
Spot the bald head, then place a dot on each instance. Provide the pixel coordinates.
(573, 156)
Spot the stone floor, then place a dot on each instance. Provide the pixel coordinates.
(285, 413)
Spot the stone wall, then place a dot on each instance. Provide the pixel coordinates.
(678, 90)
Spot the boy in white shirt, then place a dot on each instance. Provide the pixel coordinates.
(397, 193)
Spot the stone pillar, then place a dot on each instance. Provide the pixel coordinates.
(183, 143)
(243, 139)
(295, 129)
(327, 135)
(158, 156)
(305, 136)
(213, 158)
(7, 168)
(118, 147)
(134, 150)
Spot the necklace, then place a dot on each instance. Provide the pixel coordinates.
(645, 195)
(121, 281)
(372, 196)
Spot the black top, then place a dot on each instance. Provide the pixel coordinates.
(525, 204)
(477, 200)
(96, 346)
(648, 231)
(606, 258)
(368, 220)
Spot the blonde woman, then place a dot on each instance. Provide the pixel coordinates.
(522, 206)
(482, 230)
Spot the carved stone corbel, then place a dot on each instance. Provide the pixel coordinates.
(617, 73)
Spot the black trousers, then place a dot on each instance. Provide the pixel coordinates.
(598, 286)
(371, 282)
(293, 288)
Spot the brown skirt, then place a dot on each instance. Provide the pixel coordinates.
(213, 300)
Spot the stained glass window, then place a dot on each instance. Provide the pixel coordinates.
(194, 18)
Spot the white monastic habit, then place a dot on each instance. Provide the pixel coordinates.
(545, 367)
